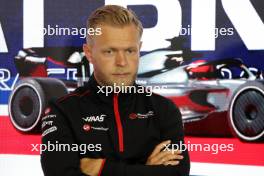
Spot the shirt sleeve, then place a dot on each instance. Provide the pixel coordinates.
(171, 127)
(56, 130)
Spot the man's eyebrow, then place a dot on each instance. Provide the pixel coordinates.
(121, 48)
(129, 48)
(132, 47)
(109, 48)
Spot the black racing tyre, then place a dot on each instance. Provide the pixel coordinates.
(246, 111)
(29, 99)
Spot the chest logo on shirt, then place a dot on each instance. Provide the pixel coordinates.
(47, 110)
(95, 118)
(86, 127)
(140, 115)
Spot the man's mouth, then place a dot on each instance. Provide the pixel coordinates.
(120, 74)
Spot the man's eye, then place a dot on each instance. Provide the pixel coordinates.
(108, 52)
(129, 51)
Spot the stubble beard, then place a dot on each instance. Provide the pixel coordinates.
(110, 80)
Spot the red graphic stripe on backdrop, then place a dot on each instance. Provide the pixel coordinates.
(14, 142)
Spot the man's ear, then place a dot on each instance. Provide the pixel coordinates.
(140, 44)
(88, 52)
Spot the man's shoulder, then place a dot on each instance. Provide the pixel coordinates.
(148, 92)
(164, 107)
(160, 98)
(74, 96)
(160, 101)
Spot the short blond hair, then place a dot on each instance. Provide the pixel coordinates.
(114, 15)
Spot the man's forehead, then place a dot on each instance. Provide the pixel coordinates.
(117, 37)
(120, 31)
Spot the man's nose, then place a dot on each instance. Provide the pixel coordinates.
(121, 59)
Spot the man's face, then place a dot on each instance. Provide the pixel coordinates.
(114, 54)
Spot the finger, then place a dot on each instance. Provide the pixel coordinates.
(159, 147)
(176, 151)
(160, 157)
(169, 156)
(172, 157)
(172, 150)
(173, 163)
(163, 154)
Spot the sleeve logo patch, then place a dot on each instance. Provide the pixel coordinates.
(49, 130)
(133, 116)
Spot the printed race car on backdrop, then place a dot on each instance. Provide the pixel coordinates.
(223, 96)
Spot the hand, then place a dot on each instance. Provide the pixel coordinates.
(90, 166)
(158, 156)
